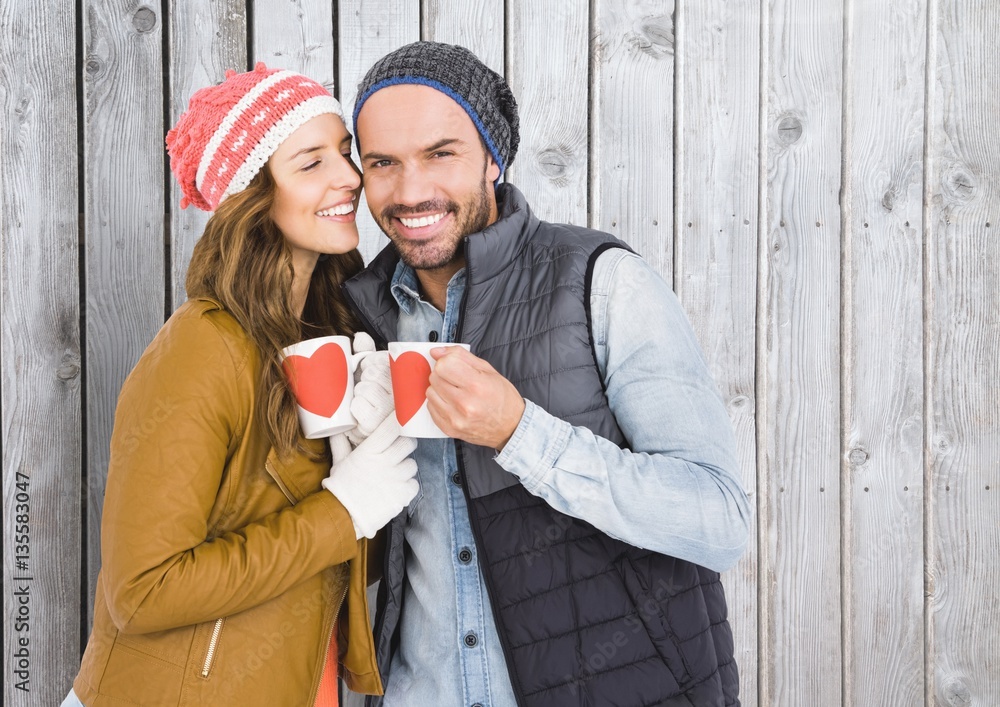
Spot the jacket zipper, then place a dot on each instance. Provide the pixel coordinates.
(212, 645)
(281, 484)
(329, 637)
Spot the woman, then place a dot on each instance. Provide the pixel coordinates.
(230, 545)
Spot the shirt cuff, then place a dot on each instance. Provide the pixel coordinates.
(538, 441)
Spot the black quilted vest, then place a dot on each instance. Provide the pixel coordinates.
(584, 619)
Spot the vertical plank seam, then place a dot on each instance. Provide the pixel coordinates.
(764, 659)
(507, 68)
(335, 69)
(675, 245)
(930, 70)
(593, 95)
(81, 264)
(592, 98)
(846, 369)
(251, 35)
(168, 279)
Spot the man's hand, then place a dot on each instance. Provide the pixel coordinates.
(470, 401)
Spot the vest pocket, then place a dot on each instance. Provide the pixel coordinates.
(648, 602)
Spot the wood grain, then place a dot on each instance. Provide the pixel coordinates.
(206, 38)
(963, 330)
(548, 59)
(368, 30)
(477, 26)
(295, 35)
(124, 162)
(882, 459)
(873, 364)
(801, 561)
(40, 371)
(632, 127)
(717, 169)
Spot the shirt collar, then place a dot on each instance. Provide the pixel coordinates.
(405, 286)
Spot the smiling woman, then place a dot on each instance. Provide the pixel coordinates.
(316, 187)
(228, 540)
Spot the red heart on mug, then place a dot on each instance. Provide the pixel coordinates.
(318, 381)
(411, 377)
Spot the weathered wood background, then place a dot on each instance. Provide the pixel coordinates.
(818, 180)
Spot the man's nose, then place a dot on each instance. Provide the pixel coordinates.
(413, 187)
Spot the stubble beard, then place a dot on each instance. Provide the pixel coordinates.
(448, 248)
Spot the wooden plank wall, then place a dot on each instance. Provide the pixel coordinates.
(818, 181)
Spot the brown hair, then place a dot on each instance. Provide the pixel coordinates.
(242, 261)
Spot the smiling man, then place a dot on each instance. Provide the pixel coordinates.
(565, 546)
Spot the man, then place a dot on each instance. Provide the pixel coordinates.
(565, 544)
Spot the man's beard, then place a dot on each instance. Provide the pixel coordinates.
(447, 248)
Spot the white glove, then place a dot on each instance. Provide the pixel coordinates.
(362, 342)
(377, 480)
(340, 447)
(372, 401)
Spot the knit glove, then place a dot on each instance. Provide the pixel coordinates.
(362, 342)
(372, 401)
(377, 480)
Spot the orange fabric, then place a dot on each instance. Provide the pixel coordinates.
(327, 694)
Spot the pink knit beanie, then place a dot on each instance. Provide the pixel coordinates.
(230, 130)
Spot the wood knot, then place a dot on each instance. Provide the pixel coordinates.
(69, 369)
(858, 456)
(789, 130)
(959, 184)
(555, 162)
(94, 66)
(144, 20)
(738, 402)
(957, 693)
(21, 110)
(654, 37)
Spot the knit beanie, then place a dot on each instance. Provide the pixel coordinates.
(230, 130)
(458, 73)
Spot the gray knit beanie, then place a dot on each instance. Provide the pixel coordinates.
(458, 73)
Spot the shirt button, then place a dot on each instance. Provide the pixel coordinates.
(456, 479)
(465, 555)
(433, 336)
(471, 640)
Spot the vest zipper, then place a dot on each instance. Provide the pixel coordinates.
(477, 532)
(213, 644)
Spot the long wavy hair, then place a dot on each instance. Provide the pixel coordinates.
(243, 262)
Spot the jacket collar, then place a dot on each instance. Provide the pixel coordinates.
(490, 251)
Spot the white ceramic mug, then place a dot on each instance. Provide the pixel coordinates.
(410, 364)
(321, 374)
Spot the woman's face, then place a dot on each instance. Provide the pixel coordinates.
(316, 190)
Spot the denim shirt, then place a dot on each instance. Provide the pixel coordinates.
(683, 459)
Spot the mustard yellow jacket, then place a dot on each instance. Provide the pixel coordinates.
(223, 566)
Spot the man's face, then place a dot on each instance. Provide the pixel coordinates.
(427, 178)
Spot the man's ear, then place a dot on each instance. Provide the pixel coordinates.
(492, 169)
